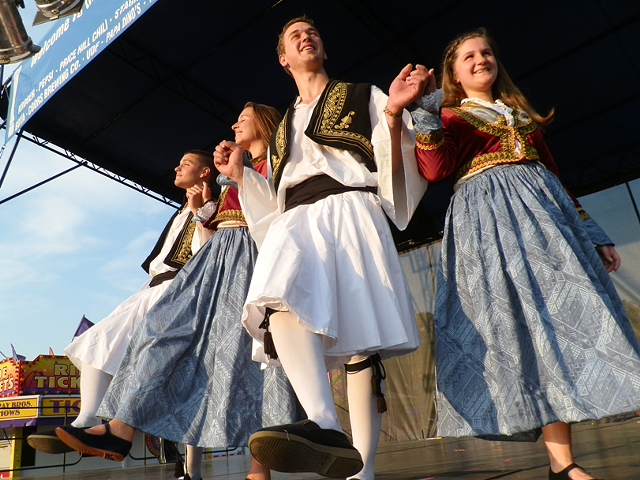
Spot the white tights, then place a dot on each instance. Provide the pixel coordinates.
(365, 418)
(93, 386)
(193, 462)
(302, 356)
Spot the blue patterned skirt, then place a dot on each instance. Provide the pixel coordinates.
(187, 375)
(529, 328)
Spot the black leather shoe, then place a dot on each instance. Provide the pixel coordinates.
(106, 445)
(563, 474)
(188, 477)
(48, 442)
(305, 447)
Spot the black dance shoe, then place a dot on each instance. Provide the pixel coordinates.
(305, 447)
(48, 442)
(563, 474)
(188, 477)
(106, 445)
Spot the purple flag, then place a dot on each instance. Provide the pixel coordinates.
(84, 325)
(17, 357)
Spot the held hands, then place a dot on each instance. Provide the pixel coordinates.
(198, 196)
(227, 158)
(408, 86)
(609, 257)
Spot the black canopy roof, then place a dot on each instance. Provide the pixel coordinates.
(177, 78)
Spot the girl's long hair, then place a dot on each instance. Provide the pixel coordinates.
(267, 119)
(503, 88)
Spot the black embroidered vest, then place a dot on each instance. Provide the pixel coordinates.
(340, 120)
(180, 251)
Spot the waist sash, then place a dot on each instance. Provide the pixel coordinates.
(162, 277)
(318, 188)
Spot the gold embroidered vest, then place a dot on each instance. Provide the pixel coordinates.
(339, 120)
(180, 252)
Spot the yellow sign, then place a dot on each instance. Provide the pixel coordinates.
(23, 407)
(58, 406)
(47, 374)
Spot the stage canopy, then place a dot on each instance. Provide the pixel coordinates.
(147, 80)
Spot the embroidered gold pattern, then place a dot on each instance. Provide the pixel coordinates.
(430, 141)
(222, 197)
(583, 215)
(432, 137)
(432, 146)
(332, 126)
(276, 159)
(507, 135)
(183, 252)
(229, 215)
(346, 121)
(224, 215)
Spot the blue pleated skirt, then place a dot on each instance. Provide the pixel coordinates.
(187, 375)
(529, 328)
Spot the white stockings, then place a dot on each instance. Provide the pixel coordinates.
(93, 386)
(193, 461)
(365, 418)
(301, 354)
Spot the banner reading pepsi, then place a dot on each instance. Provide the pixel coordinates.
(69, 46)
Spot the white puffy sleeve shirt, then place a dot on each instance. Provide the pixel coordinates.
(399, 194)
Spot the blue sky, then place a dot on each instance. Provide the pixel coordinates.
(70, 247)
(74, 246)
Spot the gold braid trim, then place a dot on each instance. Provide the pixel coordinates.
(221, 198)
(583, 215)
(432, 137)
(255, 161)
(222, 216)
(507, 136)
(183, 252)
(276, 160)
(430, 141)
(230, 215)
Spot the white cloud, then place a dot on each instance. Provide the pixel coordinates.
(70, 247)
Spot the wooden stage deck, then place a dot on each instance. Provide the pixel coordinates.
(609, 451)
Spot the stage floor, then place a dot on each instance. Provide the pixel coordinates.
(609, 451)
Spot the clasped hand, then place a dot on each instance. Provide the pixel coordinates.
(197, 196)
(227, 158)
(409, 85)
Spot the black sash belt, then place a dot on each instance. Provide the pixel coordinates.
(318, 188)
(163, 277)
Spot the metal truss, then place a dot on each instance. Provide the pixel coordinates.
(80, 162)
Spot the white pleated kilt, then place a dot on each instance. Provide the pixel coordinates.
(103, 345)
(333, 264)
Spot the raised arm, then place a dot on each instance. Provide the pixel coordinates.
(227, 158)
(256, 193)
(405, 88)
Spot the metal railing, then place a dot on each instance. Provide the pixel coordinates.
(65, 418)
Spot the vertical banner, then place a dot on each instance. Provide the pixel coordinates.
(69, 46)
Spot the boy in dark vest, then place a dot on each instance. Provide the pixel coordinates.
(99, 350)
(328, 289)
